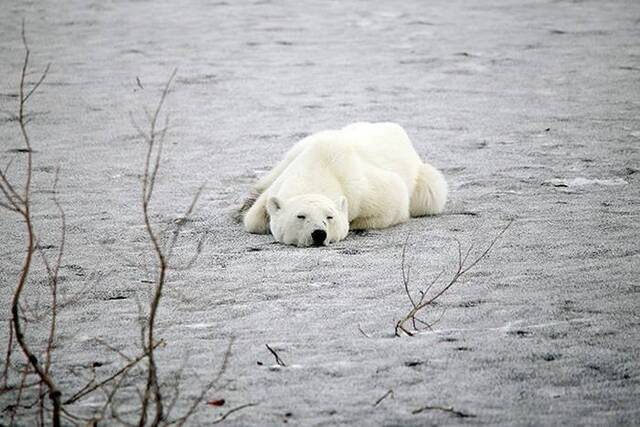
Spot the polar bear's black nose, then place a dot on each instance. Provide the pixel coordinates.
(318, 237)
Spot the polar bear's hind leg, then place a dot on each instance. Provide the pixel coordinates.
(430, 193)
(387, 203)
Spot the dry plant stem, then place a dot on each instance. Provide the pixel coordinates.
(155, 141)
(112, 348)
(423, 302)
(7, 359)
(363, 332)
(148, 184)
(109, 399)
(19, 397)
(278, 360)
(179, 225)
(383, 397)
(53, 273)
(24, 210)
(231, 411)
(459, 414)
(194, 405)
(90, 388)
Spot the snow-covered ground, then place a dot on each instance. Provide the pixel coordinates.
(530, 109)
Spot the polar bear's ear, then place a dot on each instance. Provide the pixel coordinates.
(274, 204)
(343, 205)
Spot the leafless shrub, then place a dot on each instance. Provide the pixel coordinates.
(153, 399)
(35, 375)
(427, 299)
(19, 202)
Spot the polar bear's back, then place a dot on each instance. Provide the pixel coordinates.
(384, 145)
(342, 161)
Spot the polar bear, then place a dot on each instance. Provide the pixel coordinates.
(363, 176)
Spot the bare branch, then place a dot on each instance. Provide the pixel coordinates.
(6, 168)
(363, 332)
(148, 184)
(115, 350)
(383, 397)
(7, 359)
(54, 392)
(406, 272)
(231, 411)
(278, 360)
(461, 270)
(457, 413)
(38, 83)
(86, 390)
(25, 372)
(196, 402)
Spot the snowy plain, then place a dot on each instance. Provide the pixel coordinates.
(531, 110)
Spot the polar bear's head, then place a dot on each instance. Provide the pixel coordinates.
(311, 219)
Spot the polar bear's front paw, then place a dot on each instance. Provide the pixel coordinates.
(256, 223)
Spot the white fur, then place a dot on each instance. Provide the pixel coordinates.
(366, 175)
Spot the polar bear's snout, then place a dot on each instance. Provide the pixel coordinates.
(318, 236)
(307, 220)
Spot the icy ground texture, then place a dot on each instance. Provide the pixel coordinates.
(530, 109)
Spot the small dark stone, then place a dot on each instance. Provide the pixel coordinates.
(520, 333)
(349, 251)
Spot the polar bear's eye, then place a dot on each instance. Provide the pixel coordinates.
(301, 217)
(329, 217)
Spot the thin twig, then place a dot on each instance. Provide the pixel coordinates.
(383, 397)
(460, 271)
(110, 396)
(54, 392)
(231, 411)
(86, 390)
(19, 396)
(113, 349)
(363, 332)
(196, 402)
(455, 412)
(148, 184)
(7, 359)
(278, 360)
